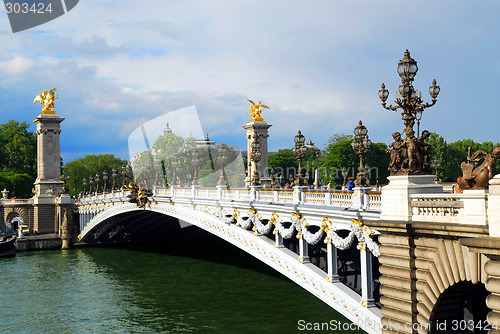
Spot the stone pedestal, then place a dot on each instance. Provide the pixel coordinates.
(258, 129)
(360, 198)
(494, 206)
(396, 196)
(48, 182)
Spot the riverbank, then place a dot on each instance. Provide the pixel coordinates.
(39, 242)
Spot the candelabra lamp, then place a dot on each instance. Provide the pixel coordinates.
(97, 176)
(124, 175)
(84, 186)
(408, 154)
(113, 177)
(436, 165)
(222, 161)
(195, 160)
(299, 152)
(361, 146)
(105, 179)
(91, 182)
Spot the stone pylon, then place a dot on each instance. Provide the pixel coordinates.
(259, 129)
(48, 183)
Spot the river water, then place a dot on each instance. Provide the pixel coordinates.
(188, 286)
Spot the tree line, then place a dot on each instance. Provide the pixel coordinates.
(18, 161)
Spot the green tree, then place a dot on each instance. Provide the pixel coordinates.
(91, 165)
(18, 185)
(340, 155)
(17, 158)
(17, 148)
(284, 164)
(451, 155)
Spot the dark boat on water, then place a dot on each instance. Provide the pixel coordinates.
(8, 246)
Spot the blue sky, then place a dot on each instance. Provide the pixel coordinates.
(318, 65)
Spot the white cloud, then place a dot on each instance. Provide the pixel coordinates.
(16, 66)
(317, 64)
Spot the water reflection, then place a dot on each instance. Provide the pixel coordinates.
(105, 290)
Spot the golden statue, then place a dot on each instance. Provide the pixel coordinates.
(47, 101)
(256, 111)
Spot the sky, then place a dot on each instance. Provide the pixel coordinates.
(318, 65)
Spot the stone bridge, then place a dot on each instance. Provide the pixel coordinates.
(427, 264)
(315, 238)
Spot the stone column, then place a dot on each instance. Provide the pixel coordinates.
(366, 277)
(333, 270)
(48, 181)
(258, 129)
(303, 251)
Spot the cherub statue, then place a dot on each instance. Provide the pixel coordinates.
(47, 101)
(478, 178)
(396, 149)
(256, 111)
(425, 150)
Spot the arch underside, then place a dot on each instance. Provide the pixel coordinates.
(120, 222)
(428, 280)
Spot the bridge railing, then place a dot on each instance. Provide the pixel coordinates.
(470, 207)
(332, 198)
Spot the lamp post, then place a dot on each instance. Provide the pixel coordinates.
(344, 172)
(222, 161)
(436, 165)
(124, 174)
(105, 179)
(299, 152)
(156, 163)
(91, 181)
(113, 176)
(84, 186)
(174, 164)
(195, 159)
(410, 101)
(255, 157)
(97, 183)
(361, 145)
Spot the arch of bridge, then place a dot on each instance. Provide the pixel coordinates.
(283, 260)
(418, 274)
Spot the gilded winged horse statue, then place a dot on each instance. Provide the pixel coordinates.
(47, 101)
(256, 111)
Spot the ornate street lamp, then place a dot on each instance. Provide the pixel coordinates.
(97, 183)
(195, 160)
(255, 157)
(105, 179)
(84, 186)
(174, 163)
(344, 172)
(436, 165)
(156, 163)
(113, 176)
(91, 181)
(124, 174)
(299, 152)
(222, 161)
(361, 145)
(410, 101)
